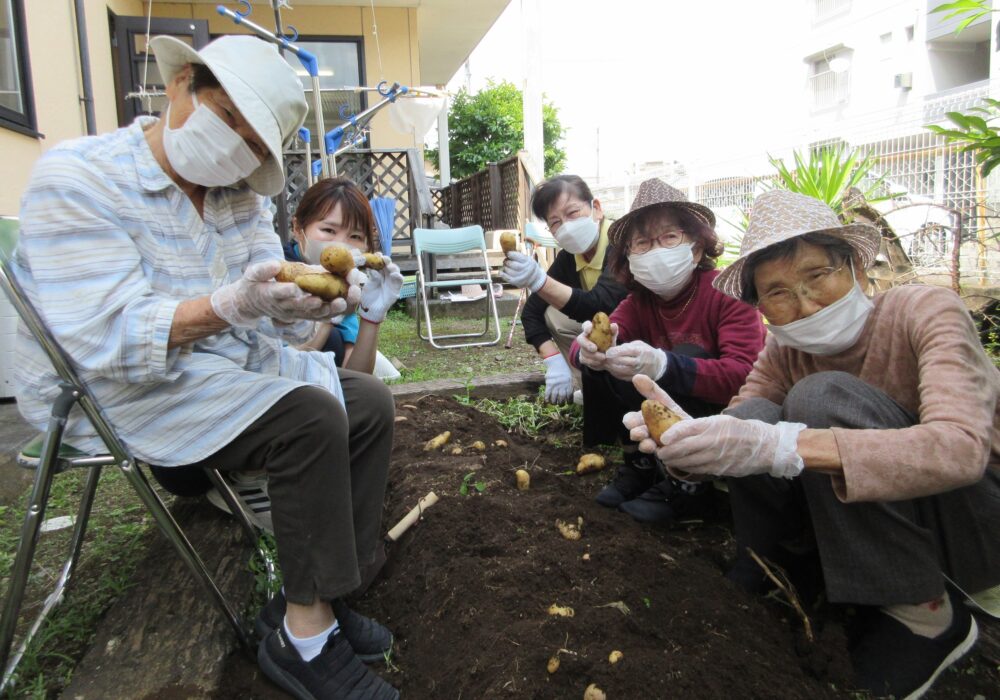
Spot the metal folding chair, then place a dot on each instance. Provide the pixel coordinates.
(54, 457)
(469, 239)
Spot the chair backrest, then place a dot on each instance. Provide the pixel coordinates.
(448, 240)
(538, 236)
(9, 228)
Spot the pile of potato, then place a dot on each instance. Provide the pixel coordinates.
(331, 284)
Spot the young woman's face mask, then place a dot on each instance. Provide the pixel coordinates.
(664, 271)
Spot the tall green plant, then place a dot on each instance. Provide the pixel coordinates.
(827, 173)
(974, 132)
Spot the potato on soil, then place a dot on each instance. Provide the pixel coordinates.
(658, 418)
(523, 480)
(478, 446)
(594, 693)
(456, 450)
(600, 334)
(590, 462)
(561, 611)
(373, 261)
(553, 664)
(323, 285)
(615, 656)
(290, 270)
(337, 260)
(508, 241)
(438, 441)
(499, 443)
(571, 531)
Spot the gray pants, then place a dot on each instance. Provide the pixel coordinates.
(327, 469)
(564, 331)
(872, 553)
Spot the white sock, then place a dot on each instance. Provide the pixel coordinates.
(310, 647)
(925, 619)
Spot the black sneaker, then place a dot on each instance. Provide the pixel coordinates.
(370, 640)
(636, 474)
(889, 659)
(336, 674)
(668, 501)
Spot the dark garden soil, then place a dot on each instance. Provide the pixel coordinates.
(467, 590)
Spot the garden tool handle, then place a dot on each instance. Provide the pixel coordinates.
(413, 516)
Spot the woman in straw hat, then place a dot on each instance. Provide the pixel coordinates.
(868, 426)
(172, 315)
(674, 328)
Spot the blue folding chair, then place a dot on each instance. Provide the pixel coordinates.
(48, 455)
(454, 241)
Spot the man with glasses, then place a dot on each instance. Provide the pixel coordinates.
(866, 440)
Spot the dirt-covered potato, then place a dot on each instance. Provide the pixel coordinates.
(615, 656)
(590, 463)
(594, 693)
(570, 531)
(523, 480)
(658, 418)
(438, 441)
(323, 284)
(374, 261)
(600, 334)
(337, 260)
(508, 241)
(553, 665)
(290, 270)
(561, 611)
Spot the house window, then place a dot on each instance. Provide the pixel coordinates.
(825, 9)
(16, 109)
(341, 69)
(829, 81)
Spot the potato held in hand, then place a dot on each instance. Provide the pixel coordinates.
(658, 418)
(600, 334)
(374, 261)
(508, 241)
(337, 260)
(291, 270)
(324, 285)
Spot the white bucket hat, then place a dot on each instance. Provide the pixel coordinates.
(779, 215)
(261, 84)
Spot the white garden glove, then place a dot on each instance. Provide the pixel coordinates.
(629, 359)
(523, 272)
(720, 445)
(380, 291)
(256, 295)
(589, 354)
(558, 379)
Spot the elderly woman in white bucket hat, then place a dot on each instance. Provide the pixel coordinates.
(171, 313)
(869, 425)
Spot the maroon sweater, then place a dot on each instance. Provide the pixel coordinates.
(729, 331)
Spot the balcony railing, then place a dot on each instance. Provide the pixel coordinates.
(825, 9)
(829, 89)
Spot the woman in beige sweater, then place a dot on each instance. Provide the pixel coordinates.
(867, 426)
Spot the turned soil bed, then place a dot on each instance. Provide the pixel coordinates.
(466, 591)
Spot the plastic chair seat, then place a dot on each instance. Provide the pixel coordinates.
(68, 457)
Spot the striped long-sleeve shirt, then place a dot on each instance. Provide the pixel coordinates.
(109, 247)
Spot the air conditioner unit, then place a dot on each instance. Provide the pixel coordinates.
(903, 80)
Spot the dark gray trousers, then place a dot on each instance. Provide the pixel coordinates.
(326, 471)
(872, 553)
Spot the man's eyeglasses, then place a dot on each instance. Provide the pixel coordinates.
(670, 238)
(818, 284)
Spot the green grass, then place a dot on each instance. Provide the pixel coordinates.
(398, 340)
(113, 547)
(530, 416)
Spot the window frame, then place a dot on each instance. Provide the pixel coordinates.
(24, 123)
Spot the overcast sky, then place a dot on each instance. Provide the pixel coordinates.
(661, 79)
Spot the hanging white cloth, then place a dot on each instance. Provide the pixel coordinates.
(415, 114)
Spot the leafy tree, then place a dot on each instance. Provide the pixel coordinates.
(488, 126)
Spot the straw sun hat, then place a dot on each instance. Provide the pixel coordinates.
(654, 193)
(261, 84)
(779, 215)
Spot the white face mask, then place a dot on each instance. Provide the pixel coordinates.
(830, 330)
(663, 271)
(205, 151)
(577, 236)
